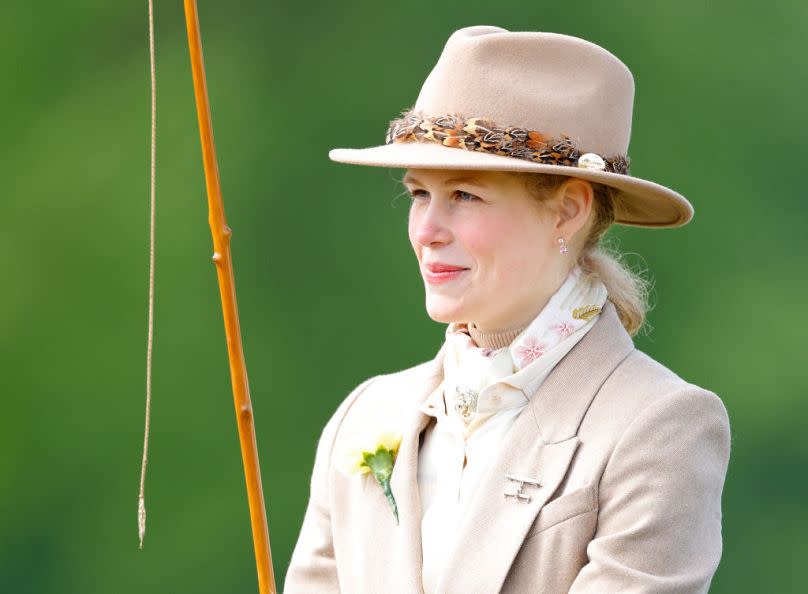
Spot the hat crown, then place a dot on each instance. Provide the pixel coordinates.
(534, 89)
(550, 82)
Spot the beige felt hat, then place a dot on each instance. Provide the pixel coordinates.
(527, 101)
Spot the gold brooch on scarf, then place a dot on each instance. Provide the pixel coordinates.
(587, 312)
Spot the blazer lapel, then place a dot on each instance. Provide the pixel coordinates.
(540, 445)
(495, 525)
(404, 573)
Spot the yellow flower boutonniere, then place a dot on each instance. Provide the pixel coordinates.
(376, 456)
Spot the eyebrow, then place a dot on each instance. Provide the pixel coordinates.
(408, 179)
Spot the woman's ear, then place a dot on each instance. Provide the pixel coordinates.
(573, 204)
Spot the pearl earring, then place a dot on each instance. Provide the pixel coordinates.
(562, 245)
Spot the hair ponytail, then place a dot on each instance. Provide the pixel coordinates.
(628, 291)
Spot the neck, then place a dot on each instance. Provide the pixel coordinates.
(493, 340)
(496, 339)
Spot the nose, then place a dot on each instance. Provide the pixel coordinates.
(429, 225)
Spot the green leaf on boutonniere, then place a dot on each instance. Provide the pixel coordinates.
(381, 465)
(375, 455)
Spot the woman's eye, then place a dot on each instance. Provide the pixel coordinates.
(461, 195)
(466, 197)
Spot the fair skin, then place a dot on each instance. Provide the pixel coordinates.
(502, 246)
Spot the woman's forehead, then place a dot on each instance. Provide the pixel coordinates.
(453, 176)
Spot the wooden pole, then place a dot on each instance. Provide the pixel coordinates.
(224, 267)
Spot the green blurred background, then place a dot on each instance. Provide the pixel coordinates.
(323, 266)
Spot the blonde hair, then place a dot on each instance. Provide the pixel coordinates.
(628, 290)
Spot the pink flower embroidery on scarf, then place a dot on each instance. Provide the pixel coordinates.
(530, 350)
(486, 352)
(564, 329)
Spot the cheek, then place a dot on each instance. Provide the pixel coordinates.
(412, 225)
(482, 240)
(508, 252)
(500, 242)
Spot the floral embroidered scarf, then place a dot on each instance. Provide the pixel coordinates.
(469, 368)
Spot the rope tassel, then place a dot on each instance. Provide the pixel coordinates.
(224, 268)
(141, 500)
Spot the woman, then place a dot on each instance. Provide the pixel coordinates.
(540, 450)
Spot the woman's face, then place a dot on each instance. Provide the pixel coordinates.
(487, 253)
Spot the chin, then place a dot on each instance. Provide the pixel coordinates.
(445, 310)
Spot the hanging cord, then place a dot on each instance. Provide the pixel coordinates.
(141, 500)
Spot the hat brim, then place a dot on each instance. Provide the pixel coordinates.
(641, 203)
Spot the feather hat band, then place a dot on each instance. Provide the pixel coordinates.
(527, 101)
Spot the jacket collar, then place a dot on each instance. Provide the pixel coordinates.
(540, 444)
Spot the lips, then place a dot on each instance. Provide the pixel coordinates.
(437, 273)
(438, 267)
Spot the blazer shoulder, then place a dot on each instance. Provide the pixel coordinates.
(382, 401)
(400, 386)
(640, 384)
(648, 379)
(402, 382)
(387, 387)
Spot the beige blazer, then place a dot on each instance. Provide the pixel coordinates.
(631, 461)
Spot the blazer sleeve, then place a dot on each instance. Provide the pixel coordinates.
(313, 566)
(659, 523)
